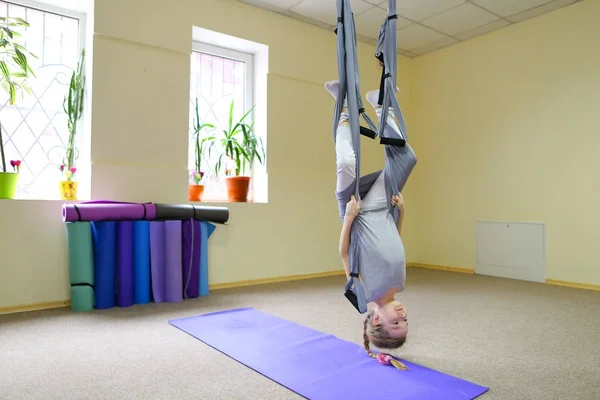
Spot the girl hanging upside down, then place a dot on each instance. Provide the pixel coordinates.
(378, 244)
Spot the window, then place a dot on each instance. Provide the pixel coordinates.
(35, 128)
(218, 77)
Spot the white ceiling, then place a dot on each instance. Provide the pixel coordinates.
(423, 25)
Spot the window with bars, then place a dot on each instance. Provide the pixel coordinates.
(35, 128)
(218, 77)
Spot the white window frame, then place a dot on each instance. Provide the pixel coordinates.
(249, 80)
(84, 136)
(247, 58)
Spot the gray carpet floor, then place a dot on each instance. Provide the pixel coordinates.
(523, 340)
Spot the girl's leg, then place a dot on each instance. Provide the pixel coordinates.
(394, 173)
(345, 156)
(377, 197)
(344, 148)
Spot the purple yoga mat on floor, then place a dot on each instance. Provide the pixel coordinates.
(190, 252)
(173, 262)
(108, 211)
(157, 260)
(318, 365)
(125, 263)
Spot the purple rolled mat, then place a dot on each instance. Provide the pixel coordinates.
(190, 251)
(173, 262)
(125, 281)
(157, 260)
(108, 211)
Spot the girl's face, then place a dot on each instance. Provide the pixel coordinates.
(393, 318)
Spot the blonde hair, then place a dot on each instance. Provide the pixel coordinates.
(381, 339)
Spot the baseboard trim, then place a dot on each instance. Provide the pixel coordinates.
(289, 278)
(35, 307)
(441, 268)
(279, 279)
(575, 285)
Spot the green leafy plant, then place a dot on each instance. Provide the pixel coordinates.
(239, 144)
(73, 107)
(14, 67)
(200, 141)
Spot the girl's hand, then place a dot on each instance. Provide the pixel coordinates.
(398, 201)
(352, 208)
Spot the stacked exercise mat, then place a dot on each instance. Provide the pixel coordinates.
(121, 254)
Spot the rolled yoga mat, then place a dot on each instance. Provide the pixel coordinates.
(81, 265)
(157, 260)
(173, 262)
(317, 365)
(104, 235)
(217, 215)
(206, 229)
(125, 246)
(191, 241)
(108, 211)
(141, 262)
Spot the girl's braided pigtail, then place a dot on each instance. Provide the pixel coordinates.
(381, 357)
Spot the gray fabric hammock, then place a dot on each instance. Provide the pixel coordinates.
(399, 156)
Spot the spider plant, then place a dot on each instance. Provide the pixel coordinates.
(200, 142)
(239, 144)
(14, 65)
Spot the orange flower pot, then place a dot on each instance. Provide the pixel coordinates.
(237, 188)
(195, 192)
(68, 190)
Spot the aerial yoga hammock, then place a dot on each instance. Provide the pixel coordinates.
(399, 156)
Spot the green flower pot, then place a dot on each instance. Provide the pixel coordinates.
(8, 185)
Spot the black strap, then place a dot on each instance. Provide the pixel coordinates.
(82, 284)
(395, 16)
(339, 20)
(354, 274)
(384, 76)
(392, 141)
(144, 216)
(78, 213)
(368, 132)
(194, 208)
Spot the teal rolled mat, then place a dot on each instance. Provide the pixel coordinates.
(81, 265)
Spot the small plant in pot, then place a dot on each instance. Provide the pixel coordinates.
(73, 107)
(14, 69)
(196, 190)
(241, 147)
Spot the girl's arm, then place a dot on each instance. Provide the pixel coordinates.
(398, 201)
(344, 245)
(400, 220)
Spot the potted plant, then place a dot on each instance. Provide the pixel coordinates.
(241, 147)
(14, 69)
(73, 107)
(196, 189)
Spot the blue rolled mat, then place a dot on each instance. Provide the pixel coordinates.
(157, 260)
(190, 251)
(206, 229)
(81, 265)
(141, 262)
(104, 235)
(125, 263)
(173, 262)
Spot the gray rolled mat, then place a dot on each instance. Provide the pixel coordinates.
(217, 215)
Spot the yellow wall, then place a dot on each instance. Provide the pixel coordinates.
(140, 95)
(504, 126)
(508, 129)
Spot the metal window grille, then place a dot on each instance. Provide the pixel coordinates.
(218, 76)
(35, 129)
